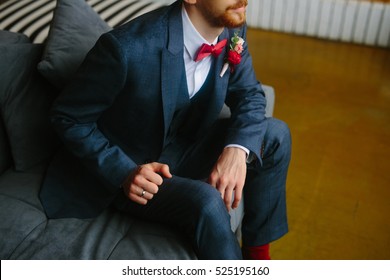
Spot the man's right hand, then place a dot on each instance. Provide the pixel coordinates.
(143, 183)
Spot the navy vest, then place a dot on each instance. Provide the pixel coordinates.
(189, 112)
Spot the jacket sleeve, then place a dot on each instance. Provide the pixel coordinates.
(247, 103)
(76, 112)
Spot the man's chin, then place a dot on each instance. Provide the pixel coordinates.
(235, 22)
(231, 20)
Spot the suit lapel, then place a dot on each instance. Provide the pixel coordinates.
(220, 83)
(172, 65)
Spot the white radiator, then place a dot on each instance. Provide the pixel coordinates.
(361, 22)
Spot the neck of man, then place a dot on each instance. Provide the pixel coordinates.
(201, 24)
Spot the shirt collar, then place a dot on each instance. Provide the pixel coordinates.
(192, 38)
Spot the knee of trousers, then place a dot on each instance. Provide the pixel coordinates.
(210, 208)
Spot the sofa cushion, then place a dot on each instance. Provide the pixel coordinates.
(7, 37)
(24, 104)
(5, 152)
(26, 233)
(152, 241)
(21, 211)
(18, 220)
(74, 30)
(111, 235)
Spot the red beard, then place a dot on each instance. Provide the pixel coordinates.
(228, 18)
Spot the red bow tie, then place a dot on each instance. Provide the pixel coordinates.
(206, 50)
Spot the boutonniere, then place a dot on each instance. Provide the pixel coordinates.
(234, 55)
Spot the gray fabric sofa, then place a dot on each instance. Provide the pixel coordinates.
(27, 143)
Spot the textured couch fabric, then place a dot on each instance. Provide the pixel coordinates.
(26, 232)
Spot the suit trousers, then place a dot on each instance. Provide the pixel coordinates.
(188, 203)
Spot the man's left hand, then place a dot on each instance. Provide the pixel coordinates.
(228, 175)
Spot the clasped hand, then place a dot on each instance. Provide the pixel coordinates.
(143, 183)
(227, 176)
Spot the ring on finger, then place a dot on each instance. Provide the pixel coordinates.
(143, 193)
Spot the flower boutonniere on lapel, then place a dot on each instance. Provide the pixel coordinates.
(234, 55)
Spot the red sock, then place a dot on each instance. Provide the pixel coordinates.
(256, 252)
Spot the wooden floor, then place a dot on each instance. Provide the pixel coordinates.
(336, 99)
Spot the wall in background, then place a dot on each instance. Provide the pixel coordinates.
(362, 22)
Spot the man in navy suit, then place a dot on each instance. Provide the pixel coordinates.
(141, 116)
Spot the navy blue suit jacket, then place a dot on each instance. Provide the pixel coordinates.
(116, 112)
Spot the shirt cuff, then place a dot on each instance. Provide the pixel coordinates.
(241, 147)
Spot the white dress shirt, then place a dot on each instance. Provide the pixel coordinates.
(196, 72)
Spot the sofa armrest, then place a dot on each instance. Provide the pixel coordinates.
(270, 97)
